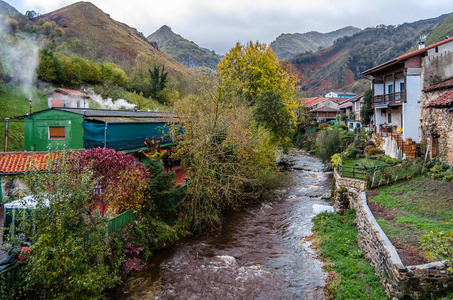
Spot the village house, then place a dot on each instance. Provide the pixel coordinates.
(397, 92)
(357, 103)
(339, 95)
(324, 114)
(76, 128)
(437, 101)
(67, 98)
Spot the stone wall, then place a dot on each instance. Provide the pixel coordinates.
(437, 123)
(398, 281)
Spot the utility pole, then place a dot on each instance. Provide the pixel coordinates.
(6, 134)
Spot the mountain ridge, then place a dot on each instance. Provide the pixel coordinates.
(289, 44)
(8, 9)
(182, 50)
(107, 37)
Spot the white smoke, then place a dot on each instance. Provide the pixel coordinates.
(110, 104)
(19, 57)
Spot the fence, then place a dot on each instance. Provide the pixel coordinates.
(359, 173)
(9, 277)
(378, 176)
(120, 221)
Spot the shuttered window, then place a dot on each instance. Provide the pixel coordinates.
(56, 133)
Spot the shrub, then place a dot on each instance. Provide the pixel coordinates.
(328, 143)
(354, 153)
(368, 148)
(375, 151)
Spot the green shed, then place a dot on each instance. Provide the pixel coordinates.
(53, 129)
(78, 128)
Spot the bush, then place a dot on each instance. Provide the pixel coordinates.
(375, 151)
(354, 153)
(328, 143)
(368, 148)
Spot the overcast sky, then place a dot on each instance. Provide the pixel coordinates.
(218, 25)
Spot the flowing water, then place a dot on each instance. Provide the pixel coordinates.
(260, 253)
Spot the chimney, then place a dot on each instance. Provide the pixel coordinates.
(421, 44)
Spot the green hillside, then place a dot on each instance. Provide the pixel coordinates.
(340, 66)
(14, 104)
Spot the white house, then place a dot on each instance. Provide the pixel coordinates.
(397, 89)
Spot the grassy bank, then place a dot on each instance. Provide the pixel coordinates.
(350, 275)
(408, 210)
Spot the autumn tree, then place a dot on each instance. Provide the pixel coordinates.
(256, 76)
(120, 180)
(227, 156)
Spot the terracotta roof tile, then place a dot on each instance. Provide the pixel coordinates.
(346, 105)
(446, 100)
(310, 102)
(21, 162)
(68, 92)
(442, 85)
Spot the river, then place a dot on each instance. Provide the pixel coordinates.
(260, 253)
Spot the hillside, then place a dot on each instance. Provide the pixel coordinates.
(184, 51)
(7, 9)
(107, 39)
(288, 45)
(339, 67)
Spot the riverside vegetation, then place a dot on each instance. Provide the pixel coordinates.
(229, 146)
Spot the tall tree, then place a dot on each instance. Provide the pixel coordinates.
(366, 107)
(158, 81)
(255, 74)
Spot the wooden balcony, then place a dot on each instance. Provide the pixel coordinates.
(397, 98)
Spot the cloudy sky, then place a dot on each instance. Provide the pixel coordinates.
(218, 25)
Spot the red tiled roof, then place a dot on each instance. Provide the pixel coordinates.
(405, 56)
(68, 92)
(324, 109)
(446, 100)
(21, 162)
(442, 85)
(310, 102)
(346, 105)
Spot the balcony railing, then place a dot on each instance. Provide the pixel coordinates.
(393, 98)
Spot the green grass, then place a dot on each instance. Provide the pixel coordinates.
(420, 197)
(336, 239)
(13, 104)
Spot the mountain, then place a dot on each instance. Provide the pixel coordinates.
(184, 51)
(107, 39)
(7, 9)
(287, 45)
(340, 66)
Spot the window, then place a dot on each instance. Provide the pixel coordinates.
(56, 133)
(390, 88)
(389, 118)
(64, 103)
(402, 87)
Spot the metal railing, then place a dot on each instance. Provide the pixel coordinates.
(392, 98)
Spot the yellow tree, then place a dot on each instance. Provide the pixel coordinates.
(256, 76)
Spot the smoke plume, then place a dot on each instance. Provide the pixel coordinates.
(110, 104)
(19, 57)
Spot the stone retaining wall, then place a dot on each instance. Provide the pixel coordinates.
(399, 281)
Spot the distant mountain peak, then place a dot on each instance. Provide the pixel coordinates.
(184, 51)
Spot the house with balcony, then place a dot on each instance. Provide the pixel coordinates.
(397, 91)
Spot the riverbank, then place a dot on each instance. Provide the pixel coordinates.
(350, 275)
(259, 253)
